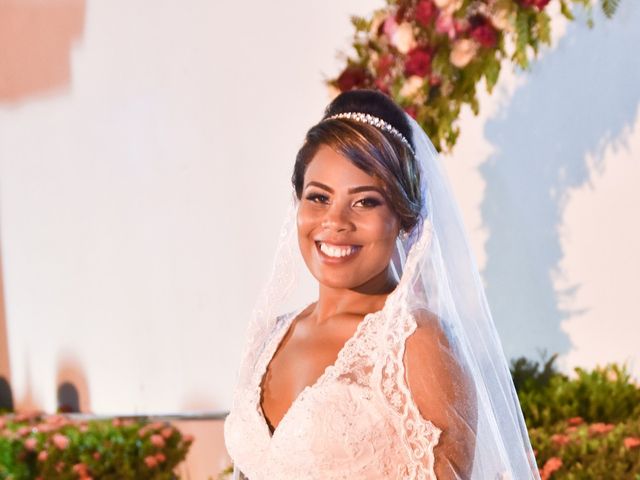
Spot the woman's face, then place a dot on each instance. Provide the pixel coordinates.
(346, 228)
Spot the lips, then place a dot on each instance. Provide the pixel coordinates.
(336, 252)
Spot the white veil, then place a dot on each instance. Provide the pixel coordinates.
(437, 271)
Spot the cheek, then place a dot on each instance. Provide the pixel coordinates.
(304, 221)
(385, 228)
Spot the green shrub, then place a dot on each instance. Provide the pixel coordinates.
(35, 447)
(605, 394)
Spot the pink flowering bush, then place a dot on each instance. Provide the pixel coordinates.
(47, 447)
(588, 450)
(583, 427)
(430, 55)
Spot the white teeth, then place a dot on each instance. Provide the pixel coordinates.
(336, 252)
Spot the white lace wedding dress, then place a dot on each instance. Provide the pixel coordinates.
(357, 421)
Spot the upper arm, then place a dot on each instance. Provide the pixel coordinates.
(444, 395)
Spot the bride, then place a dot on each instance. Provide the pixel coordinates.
(396, 370)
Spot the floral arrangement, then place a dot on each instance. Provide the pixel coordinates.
(38, 447)
(430, 55)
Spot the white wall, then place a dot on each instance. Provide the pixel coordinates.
(140, 203)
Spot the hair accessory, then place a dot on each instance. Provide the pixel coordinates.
(376, 122)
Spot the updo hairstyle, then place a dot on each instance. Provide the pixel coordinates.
(376, 152)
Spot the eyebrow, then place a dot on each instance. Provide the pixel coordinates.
(364, 188)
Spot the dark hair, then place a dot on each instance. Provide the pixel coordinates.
(373, 150)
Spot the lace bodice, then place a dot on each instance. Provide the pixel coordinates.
(357, 421)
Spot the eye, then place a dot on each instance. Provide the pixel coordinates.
(317, 198)
(368, 202)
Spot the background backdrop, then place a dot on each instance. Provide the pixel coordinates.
(145, 156)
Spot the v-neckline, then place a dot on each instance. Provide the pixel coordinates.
(264, 366)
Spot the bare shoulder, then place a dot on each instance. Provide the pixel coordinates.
(434, 372)
(444, 394)
(429, 336)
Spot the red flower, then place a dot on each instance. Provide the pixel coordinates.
(631, 442)
(553, 464)
(539, 4)
(575, 421)
(560, 439)
(81, 469)
(435, 80)
(382, 85)
(411, 111)
(385, 62)
(425, 12)
(352, 77)
(418, 62)
(600, 428)
(485, 35)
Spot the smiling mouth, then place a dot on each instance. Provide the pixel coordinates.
(337, 251)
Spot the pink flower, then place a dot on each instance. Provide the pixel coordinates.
(571, 429)
(24, 431)
(150, 461)
(160, 457)
(600, 428)
(188, 438)
(167, 432)
(31, 443)
(553, 464)
(631, 442)
(60, 441)
(560, 439)
(446, 24)
(96, 455)
(463, 52)
(425, 12)
(390, 26)
(157, 440)
(45, 427)
(156, 425)
(56, 420)
(42, 456)
(418, 62)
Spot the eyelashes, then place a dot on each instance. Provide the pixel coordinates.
(317, 198)
(367, 202)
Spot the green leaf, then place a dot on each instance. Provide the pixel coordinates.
(492, 72)
(609, 7)
(361, 24)
(564, 9)
(543, 27)
(522, 38)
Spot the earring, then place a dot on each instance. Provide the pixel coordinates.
(403, 235)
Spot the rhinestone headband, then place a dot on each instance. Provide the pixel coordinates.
(376, 122)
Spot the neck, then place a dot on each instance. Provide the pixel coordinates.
(367, 298)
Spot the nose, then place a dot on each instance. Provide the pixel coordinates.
(337, 218)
